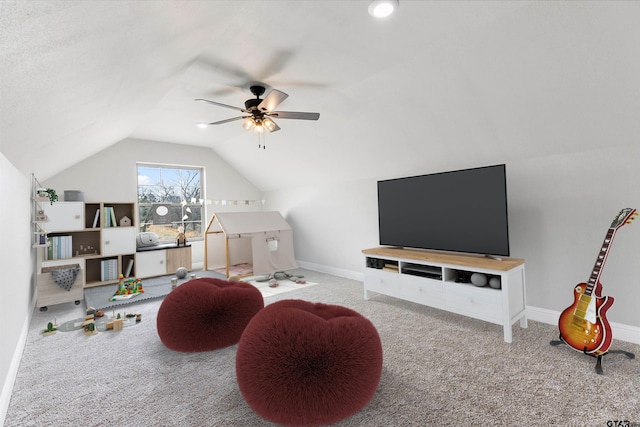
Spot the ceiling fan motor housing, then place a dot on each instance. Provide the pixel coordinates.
(252, 104)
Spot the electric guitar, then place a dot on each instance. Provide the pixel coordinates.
(583, 325)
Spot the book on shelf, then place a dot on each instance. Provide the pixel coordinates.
(59, 247)
(96, 218)
(108, 269)
(129, 268)
(113, 217)
(109, 217)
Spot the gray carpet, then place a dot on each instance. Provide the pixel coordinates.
(155, 287)
(439, 369)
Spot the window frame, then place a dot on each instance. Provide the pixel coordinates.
(177, 204)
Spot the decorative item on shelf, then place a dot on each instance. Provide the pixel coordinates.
(42, 236)
(50, 193)
(42, 193)
(494, 282)
(125, 221)
(86, 250)
(181, 239)
(73, 196)
(41, 216)
(479, 279)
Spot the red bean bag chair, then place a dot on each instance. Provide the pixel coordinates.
(302, 364)
(207, 314)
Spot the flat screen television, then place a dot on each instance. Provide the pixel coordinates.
(458, 211)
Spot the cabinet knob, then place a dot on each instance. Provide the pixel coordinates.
(77, 216)
(106, 242)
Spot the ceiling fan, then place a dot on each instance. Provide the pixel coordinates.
(261, 111)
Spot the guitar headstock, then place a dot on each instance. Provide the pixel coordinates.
(625, 216)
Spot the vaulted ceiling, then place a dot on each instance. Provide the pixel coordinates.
(437, 84)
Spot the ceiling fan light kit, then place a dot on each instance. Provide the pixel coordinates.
(260, 112)
(382, 8)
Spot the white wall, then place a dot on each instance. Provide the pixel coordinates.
(17, 266)
(560, 208)
(111, 176)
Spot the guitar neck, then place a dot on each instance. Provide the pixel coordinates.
(600, 260)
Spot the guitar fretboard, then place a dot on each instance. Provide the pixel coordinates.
(602, 257)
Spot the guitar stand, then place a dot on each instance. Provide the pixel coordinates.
(599, 356)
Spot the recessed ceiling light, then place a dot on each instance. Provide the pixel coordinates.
(382, 8)
(202, 125)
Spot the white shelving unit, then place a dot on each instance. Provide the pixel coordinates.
(39, 218)
(438, 280)
(93, 239)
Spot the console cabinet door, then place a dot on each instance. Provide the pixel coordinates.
(151, 263)
(118, 240)
(178, 257)
(64, 216)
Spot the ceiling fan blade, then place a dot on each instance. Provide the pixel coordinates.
(223, 105)
(228, 120)
(274, 128)
(294, 115)
(272, 100)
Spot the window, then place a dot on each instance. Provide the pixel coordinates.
(170, 199)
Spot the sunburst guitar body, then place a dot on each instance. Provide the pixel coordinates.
(583, 325)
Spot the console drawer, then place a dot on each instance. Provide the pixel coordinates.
(469, 300)
(384, 282)
(423, 291)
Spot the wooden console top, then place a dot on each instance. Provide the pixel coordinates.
(477, 261)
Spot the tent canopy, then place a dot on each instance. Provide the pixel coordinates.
(235, 223)
(262, 239)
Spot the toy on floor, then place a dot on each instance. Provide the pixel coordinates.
(281, 275)
(89, 324)
(127, 288)
(118, 321)
(51, 329)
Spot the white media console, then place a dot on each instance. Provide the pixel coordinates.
(440, 280)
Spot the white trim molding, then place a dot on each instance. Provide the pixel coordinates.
(7, 387)
(620, 331)
(340, 272)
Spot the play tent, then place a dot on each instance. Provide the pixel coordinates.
(248, 243)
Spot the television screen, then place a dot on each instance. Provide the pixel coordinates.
(460, 211)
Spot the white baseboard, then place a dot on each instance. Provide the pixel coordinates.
(340, 272)
(7, 387)
(620, 331)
